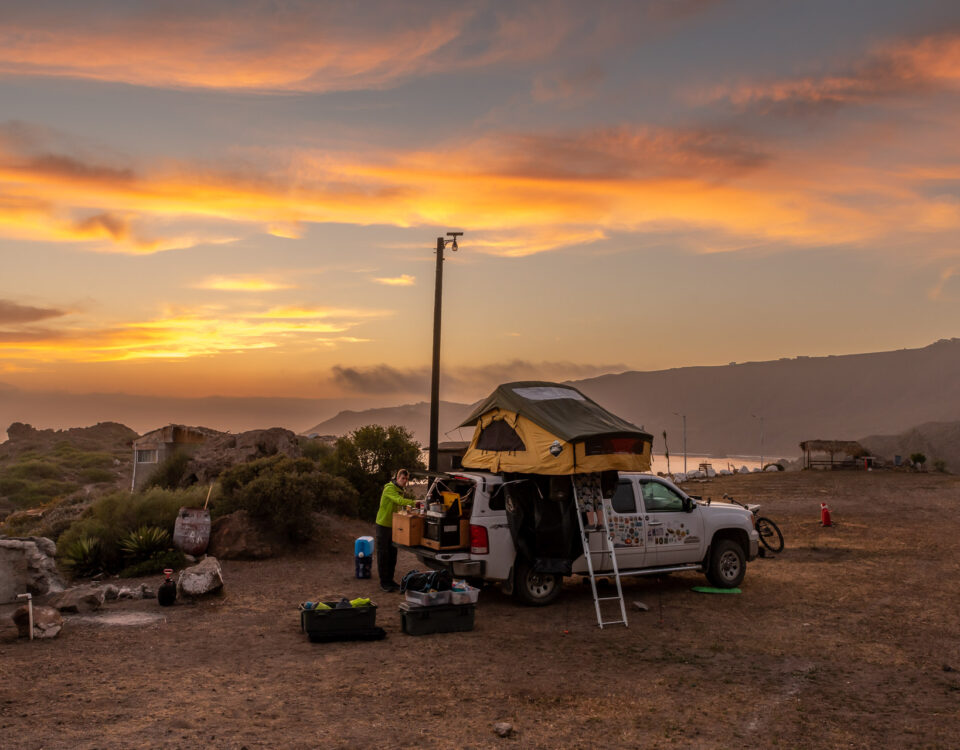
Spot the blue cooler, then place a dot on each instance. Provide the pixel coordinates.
(363, 555)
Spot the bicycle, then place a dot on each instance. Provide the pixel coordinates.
(770, 535)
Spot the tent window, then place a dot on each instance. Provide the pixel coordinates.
(601, 446)
(499, 436)
(548, 393)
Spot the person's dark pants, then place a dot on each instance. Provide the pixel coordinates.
(386, 555)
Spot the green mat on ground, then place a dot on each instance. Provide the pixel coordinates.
(712, 590)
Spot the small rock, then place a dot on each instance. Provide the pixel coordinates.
(190, 558)
(503, 729)
(110, 592)
(47, 622)
(641, 606)
(146, 592)
(948, 668)
(126, 592)
(78, 599)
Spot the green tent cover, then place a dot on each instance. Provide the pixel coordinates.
(557, 408)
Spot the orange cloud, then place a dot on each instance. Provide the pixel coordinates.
(401, 280)
(184, 334)
(516, 194)
(919, 66)
(242, 284)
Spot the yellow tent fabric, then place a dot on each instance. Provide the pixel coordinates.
(537, 458)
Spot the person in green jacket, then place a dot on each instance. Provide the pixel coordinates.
(391, 501)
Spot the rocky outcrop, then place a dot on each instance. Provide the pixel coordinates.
(223, 451)
(237, 537)
(205, 577)
(79, 599)
(27, 566)
(47, 622)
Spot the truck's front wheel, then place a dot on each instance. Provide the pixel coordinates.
(533, 588)
(728, 564)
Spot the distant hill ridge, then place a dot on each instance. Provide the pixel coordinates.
(842, 397)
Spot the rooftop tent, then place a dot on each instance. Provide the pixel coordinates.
(534, 427)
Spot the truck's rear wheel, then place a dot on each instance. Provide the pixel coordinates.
(728, 564)
(533, 588)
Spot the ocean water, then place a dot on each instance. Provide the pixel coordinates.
(659, 462)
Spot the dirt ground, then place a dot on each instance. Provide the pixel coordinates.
(850, 638)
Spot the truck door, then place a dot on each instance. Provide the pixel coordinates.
(674, 536)
(626, 527)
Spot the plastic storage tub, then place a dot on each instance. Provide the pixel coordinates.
(338, 622)
(428, 599)
(445, 618)
(469, 596)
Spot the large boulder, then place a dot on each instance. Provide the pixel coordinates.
(47, 622)
(237, 537)
(27, 566)
(205, 577)
(79, 599)
(223, 451)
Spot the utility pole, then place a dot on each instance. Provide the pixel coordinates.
(435, 378)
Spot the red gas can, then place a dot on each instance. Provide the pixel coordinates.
(825, 519)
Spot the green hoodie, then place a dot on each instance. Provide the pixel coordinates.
(391, 500)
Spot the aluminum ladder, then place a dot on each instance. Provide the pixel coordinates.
(586, 492)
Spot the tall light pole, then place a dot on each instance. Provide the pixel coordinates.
(761, 439)
(435, 380)
(684, 417)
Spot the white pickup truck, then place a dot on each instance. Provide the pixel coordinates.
(657, 528)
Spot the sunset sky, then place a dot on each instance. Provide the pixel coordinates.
(243, 198)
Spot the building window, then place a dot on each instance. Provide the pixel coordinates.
(146, 457)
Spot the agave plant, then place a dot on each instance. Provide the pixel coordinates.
(83, 557)
(145, 542)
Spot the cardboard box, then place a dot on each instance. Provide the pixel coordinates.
(446, 542)
(407, 530)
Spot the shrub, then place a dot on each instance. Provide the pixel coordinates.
(918, 459)
(145, 542)
(314, 449)
(940, 465)
(156, 564)
(369, 457)
(96, 476)
(112, 517)
(171, 472)
(34, 470)
(82, 556)
(282, 493)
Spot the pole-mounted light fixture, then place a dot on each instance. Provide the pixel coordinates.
(435, 378)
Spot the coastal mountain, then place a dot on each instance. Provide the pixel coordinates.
(731, 408)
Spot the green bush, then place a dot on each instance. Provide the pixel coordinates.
(171, 472)
(145, 542)
(82, 556)
(112, 517)
(97, 476)
(156, 564)
(281, 494)
(34, 470)
(940, 465)
(369, 457)
(314, 449)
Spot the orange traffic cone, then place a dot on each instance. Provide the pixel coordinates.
(825, 519)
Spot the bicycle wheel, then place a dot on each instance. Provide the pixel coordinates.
(770, 536)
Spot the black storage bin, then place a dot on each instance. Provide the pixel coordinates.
(439, 618)
(338, 622)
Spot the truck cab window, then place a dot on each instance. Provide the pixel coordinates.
(623, 499)
(658, 497)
